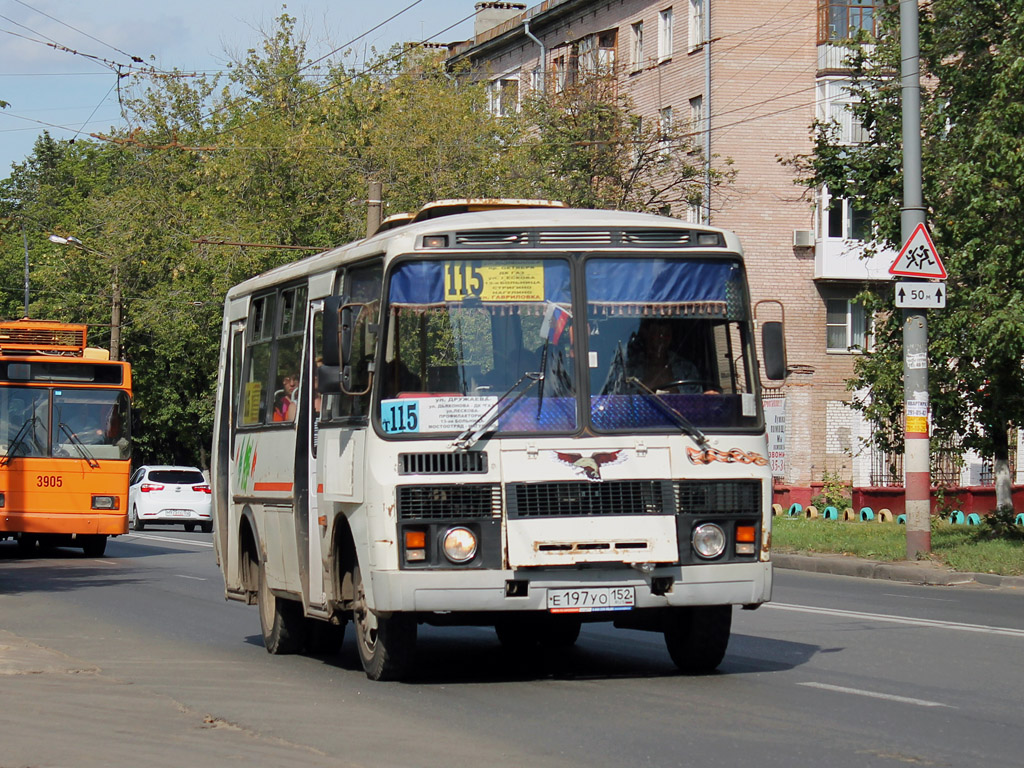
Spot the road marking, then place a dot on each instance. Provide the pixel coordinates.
(980, 628)
(185, 576)
(918, 597)
(875, 695)
(193, 542)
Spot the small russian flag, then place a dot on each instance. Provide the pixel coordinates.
(555, 320)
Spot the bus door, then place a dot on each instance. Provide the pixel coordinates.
(316, 520)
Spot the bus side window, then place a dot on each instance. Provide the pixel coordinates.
(252, 396)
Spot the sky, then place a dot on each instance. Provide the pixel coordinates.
(71, 89)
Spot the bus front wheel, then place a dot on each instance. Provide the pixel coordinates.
(281, 620)
(386, 643)
(697, 637)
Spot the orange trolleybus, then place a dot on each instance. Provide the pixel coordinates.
(65, 441)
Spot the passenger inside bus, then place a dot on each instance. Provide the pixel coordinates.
(285, 398)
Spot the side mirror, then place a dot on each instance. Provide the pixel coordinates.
(773, 346)
(328, 379)
(345, 334)
(331, 353)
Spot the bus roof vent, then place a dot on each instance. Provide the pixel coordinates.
(568, 237)
(491, 237)
(41, 336)
(657, 236)
(472, 462)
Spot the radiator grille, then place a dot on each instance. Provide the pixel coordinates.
(719, 497)
(42, 336)
(442, 463)
(449, 502)
(626, 497)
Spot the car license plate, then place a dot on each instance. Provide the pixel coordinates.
(179, 512)
(590, 599)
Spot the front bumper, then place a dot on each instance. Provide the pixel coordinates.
(487, 590)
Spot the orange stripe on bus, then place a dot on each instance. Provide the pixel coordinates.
(272, 486)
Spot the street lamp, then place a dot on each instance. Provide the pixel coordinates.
(115, 298)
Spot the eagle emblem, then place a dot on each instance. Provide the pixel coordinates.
(590, 466)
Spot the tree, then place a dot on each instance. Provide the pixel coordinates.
(972, 61)
(592, 150)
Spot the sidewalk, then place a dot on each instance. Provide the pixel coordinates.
(920, 572)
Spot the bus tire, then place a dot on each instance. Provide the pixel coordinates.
(324, 638)
(385, 643)
(281, 620)
(94, 545)
(560, 631)
(137, 524)
(697, 637)
(27, 545)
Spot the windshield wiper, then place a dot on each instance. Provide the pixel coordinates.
(17, 441)
(75, 441)
(471, 434)
(681, 421)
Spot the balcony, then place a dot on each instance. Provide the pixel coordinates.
(840, 259)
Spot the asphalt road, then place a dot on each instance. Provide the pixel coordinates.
(137, 659)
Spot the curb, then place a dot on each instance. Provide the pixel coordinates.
(907, 571)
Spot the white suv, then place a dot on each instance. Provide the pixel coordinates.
(169, 495)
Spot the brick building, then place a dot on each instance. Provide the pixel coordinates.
(749, 78)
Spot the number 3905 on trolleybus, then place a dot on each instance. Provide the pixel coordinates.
(65, 441)
(505, 413)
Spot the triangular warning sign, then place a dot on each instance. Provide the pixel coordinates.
(918, 257)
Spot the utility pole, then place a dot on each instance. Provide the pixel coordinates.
(24, 240)
(916, 458)
(374, 208)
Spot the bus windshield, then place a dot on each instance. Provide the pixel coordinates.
(665, 345)
(463, 337)
(668, 343)
(74, 423)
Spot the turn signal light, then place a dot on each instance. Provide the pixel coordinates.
(746, 533)
(415, 546)
(746, 538)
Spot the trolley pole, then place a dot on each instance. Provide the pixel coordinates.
(917, 483)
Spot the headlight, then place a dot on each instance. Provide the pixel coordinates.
(104, 502)
(460, 545)
(709, 540)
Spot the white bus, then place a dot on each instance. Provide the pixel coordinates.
(501, 413)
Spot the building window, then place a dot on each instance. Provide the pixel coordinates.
(848, 221)
(636, 48)
(665, 129)
(504, 96)
(560, 72)
(844, 19)
(665, 35)
(595, 54)
(846, 325)
(696, 118)
(696, 24)
(834, 107)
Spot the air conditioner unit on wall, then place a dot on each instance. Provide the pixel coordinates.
(803, 238)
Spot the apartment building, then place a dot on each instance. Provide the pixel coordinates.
(750, 78)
